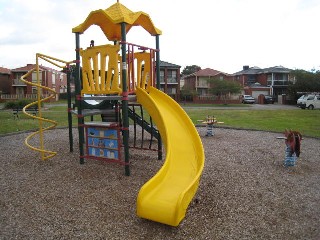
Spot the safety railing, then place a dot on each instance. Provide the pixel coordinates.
(102, 69)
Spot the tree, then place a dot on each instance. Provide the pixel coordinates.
(304, 82)
(187, 94)
(222, 88)
(72, 69)
(190, 69)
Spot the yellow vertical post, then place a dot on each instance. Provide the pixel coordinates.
(39, 107)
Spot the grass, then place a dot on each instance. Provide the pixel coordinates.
(305, 121)
(186, 105)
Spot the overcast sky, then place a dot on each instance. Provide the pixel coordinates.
(219, 34)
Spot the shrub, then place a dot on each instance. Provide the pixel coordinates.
(65, 95)
(19, 104)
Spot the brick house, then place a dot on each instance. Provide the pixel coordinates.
(267, 81)
(198, 82)
(170, 79)
(49, 77)
(5, 81)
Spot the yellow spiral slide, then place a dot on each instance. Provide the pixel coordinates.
(166, 196)
(45, 154)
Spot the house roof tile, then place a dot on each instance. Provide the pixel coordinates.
(5, 70)
(207, 72)
(276, 69)
(167, 64)
(257, 70)
(249, 71)
(28, 67)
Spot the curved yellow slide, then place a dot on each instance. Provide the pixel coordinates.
(166, 196)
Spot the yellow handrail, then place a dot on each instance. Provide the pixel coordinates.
(45, 154)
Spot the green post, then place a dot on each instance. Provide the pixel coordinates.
(69, 108)
(158, 87)
(125, 99)
(78, 101)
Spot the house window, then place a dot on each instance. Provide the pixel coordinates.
(34, 90)
(279, 79)
(162, 76)
(17, 79)
(202, 92)
(251, 79)
(171, 90)
(18, 76)
(34, 77)
(172, 76)
(53, 79)
(203, 83)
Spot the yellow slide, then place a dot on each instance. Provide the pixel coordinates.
(166, 196)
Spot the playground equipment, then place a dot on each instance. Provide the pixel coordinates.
(45, 154)
(210, 121)
(292, 150)
(134, 74)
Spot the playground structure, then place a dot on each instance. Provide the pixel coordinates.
(292, 149)
(116, 76)
(108, 75)
(210, 121)
(45, 154)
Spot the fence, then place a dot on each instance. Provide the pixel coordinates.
(216, 100)
(13, 97)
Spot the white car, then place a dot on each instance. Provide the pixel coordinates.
(313, 102)
(302, 101)
(248, 99)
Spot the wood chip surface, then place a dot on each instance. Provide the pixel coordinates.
(245, 191)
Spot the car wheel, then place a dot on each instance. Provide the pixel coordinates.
(311, 107)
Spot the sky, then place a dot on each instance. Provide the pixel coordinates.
(223, 35)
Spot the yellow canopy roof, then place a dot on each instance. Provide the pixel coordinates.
(109, 21)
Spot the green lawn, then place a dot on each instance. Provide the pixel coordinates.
(305, 121)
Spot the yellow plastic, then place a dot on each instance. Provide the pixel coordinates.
(110, 19)
(100, 70)
(166, 196)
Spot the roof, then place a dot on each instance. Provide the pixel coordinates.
(257, 70)
(277, 69)
(249, 71)
(110, 19)
(29, 67)
(5, 70)
(207, 72)
(26, 68)
(167, 64)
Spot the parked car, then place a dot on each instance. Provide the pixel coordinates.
(313, 102)
(302, 101)
(268, 99)
(248, 99)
